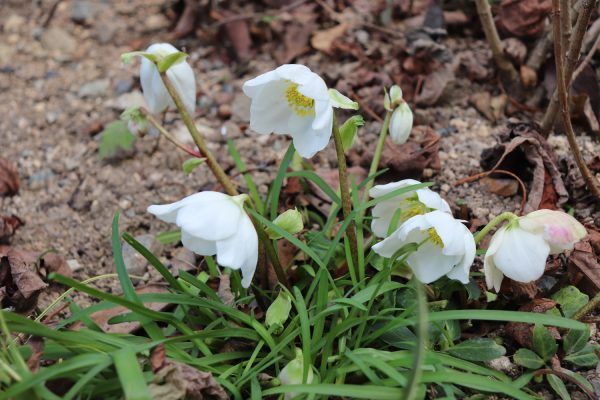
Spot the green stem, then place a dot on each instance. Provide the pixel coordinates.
(412, 386)
(222, 177)
(377, 155)
(589, 307)
(345, 191)
(163, 131)
(505, 216)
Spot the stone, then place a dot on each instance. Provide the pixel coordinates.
(83, 11)
(74, 265)
(6, 53)
(95, 88)
(13, 23)
(60, 43)
(127, 100)
(502, 364)
(123, 86)
(135, 263)
(240, 108)
(40, 178)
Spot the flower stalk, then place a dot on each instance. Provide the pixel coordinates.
(377, 155)
(163, 131)
(505, 216)
(345, 191)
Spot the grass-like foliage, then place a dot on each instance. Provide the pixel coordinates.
(367, 335)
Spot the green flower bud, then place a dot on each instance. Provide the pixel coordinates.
(291, 374)
(290, 221)
(278, 312)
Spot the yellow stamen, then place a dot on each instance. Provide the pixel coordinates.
(435, 238)
(303, 106)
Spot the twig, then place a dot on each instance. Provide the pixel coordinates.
(365, 106)
(565, 22)
(563, 375)
(537, 56)
(500, 171)
(51, 12)
(561, 86)
(588, 57)
(161, 129)
(508, 74)
(583, 19)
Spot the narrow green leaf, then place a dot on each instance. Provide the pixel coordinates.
(559, 386)
(275, 188)
(126, 285)
(191, 164)
(528, 359)
(130, 375)
(543, 342)
(480, 349)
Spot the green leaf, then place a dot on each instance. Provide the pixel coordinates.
(543, 342)
(191, 164)
(348, 130)
(481, 349)
(570, 300)
(587, 357)
(130, 375)
(127, 57)
(279, 311)
(165, 63)
(575, 340)
(528, 359)
(559, 387)
(115, 137)
(341, 101)
(169, 237)
(400, 337)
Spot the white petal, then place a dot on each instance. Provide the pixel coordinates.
(156, 95)
(323, 120)
(164, 49)
(307, 142)
(388, 246)
(461, 271)
(269, 112)
(197, 245)
(521, 255)
(380, 190)
(182, 77)
(168, 212)
(411, 231)
(429, 264)
(559, 229)
(210, 220)
(297, 73)
(401, 124)
(241, 249)
(433, 200)
(252, 87)
(382, 214)
(449, 230)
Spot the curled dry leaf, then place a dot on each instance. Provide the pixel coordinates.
(177, 381)
(434, 85)
(8, 226)
(157, 358)
(9, 178)
(522, 332)
(525, 152)
(500, 186)
(224, 291)
(53, 262)
(323, 40)
(584, 267)
(523, 18)
(296, 34)
(19, 278)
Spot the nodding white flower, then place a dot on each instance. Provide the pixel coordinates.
(292, 100)
(446, 246)
(413, 203)
(180, 75)
(401, 123)
(215, 223)
(519, 249)
(292, 374)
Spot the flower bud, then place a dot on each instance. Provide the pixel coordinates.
(291, 374)
(395, 95)
(278, 312)
(290, 221)
(560, 230)
(401, 123)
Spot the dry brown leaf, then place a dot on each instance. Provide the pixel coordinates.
(9, 178)
(157, 358)
(515, 50)
(224, 291)
(8, 226)
(37, 350)
(238, 33)
(53, 262)
(177, 381)
(434, 85)
(584, 267)
(529, 76)
(20, 278)
(522, 332)
(500, 186)
(323, 40)
(523, 18)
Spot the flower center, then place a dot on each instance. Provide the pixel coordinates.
(435, 238)
(303, 106)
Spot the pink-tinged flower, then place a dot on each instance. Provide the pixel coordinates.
(560, 230)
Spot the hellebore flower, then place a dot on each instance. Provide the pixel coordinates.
(446, 246)
(292, 100)
(412, 203)
(215, 223)
(180, 75)
(401, 123)
(291, 374)
(519, 250)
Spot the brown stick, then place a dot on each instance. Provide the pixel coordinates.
(508, 74)
(583, 19)
(588, 58)
(561, 85)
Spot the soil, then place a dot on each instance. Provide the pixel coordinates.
(63, 82)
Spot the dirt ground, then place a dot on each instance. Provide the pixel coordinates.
(61, 83)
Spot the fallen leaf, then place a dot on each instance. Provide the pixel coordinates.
(523, 332)
(8, 226)
(584, 268)
(20, 278)
(323, 40)
(37, 350)
(482, 103)
(500, 186)
(433, 86)
(515, 50)
(523, 18)
(411, 158)
(157, 358)
(524, 151)
(528, 76)
(297, 32)
(9, 178)
(53, 262)
(177, 381)
(239, 35)
(224, 291)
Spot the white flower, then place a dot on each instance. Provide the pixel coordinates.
(446, 246)
(401, 123)
(411, 203)
(292, 374)
(292, 100)
(519, 250)
(180, 74)
(215, 223)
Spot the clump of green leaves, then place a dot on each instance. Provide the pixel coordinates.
(114, 138)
